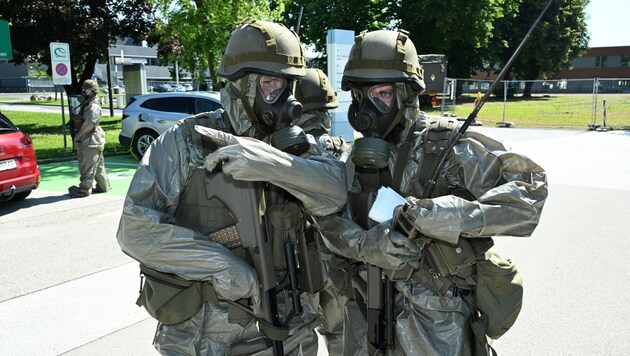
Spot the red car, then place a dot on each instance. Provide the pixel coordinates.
(19, 172)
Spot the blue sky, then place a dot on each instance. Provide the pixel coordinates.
(607, 22)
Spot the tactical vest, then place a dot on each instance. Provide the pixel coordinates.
(285, 219)
(443, 265)
(172, 299)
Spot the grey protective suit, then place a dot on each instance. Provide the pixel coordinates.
(89, 141)
(151, 228)
(508, 193)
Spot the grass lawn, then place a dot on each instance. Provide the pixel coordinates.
(46, 131)
(553, 111)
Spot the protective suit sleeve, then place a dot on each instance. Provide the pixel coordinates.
(91, 118)
(380, 245)
(511, 190)
(147, 230)
(318, 182)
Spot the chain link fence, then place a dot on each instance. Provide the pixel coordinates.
(568, 103)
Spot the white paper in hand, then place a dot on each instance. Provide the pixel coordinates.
(383, 208)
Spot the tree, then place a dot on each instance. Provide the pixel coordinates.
(319, 16)
(88, 26)
(460, 29)
(560, 37)
(195, 32)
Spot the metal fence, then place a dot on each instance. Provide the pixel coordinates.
(594, 103)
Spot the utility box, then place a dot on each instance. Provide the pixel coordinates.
(119, 93)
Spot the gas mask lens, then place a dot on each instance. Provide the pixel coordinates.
(271, 87)
(382, 96)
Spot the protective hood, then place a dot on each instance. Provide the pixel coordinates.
(232, 104)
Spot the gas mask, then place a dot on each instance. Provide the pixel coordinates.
(87, 95)
(374, 113)
(275, 108)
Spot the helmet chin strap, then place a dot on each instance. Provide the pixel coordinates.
(395, 122)
(403, 104)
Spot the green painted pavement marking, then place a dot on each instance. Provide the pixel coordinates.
(61, 175)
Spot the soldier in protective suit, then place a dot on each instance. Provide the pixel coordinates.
(89, 141)
(483, 190)
(318, 96)
(173, 223)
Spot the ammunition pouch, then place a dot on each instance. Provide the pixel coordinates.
(169, 298)
(286, 223)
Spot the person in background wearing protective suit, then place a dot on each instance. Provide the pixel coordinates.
(483, 190)
(172, 220)
(89, 141)
(318, 96)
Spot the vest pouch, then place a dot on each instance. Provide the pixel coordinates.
(451, 260)
(499, 293)
(169, 298)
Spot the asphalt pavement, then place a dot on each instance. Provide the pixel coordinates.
(67, 289)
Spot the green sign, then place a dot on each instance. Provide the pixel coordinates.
(5, 41)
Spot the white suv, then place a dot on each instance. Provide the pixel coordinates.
(147, 116)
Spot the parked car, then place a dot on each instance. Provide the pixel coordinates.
(147, 116)
(162, 88)
(188, 87)
(19, 172)
(178, 87)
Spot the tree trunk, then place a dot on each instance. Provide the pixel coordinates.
(527, 92)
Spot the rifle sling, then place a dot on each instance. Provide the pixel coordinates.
(236, 309)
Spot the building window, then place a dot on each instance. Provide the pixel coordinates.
(600, 61)
(625, 61)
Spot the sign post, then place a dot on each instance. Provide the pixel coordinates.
(62, 75)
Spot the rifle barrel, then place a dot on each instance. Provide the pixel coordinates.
(471, 117)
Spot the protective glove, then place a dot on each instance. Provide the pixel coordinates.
(389, 249)
(428, 219)
(380, 246)
(244, 158)
(236, 281)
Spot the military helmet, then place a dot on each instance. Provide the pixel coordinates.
(90, 84)
(315, 91)
(383, 56)
(262, 47)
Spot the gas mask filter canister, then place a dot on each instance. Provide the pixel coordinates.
(372, 113)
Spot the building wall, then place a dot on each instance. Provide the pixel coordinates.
(599, 62)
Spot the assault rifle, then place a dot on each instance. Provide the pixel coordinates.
(245, 200)
(381, 329)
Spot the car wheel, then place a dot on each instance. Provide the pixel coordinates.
(21, 195)
(141, 142)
